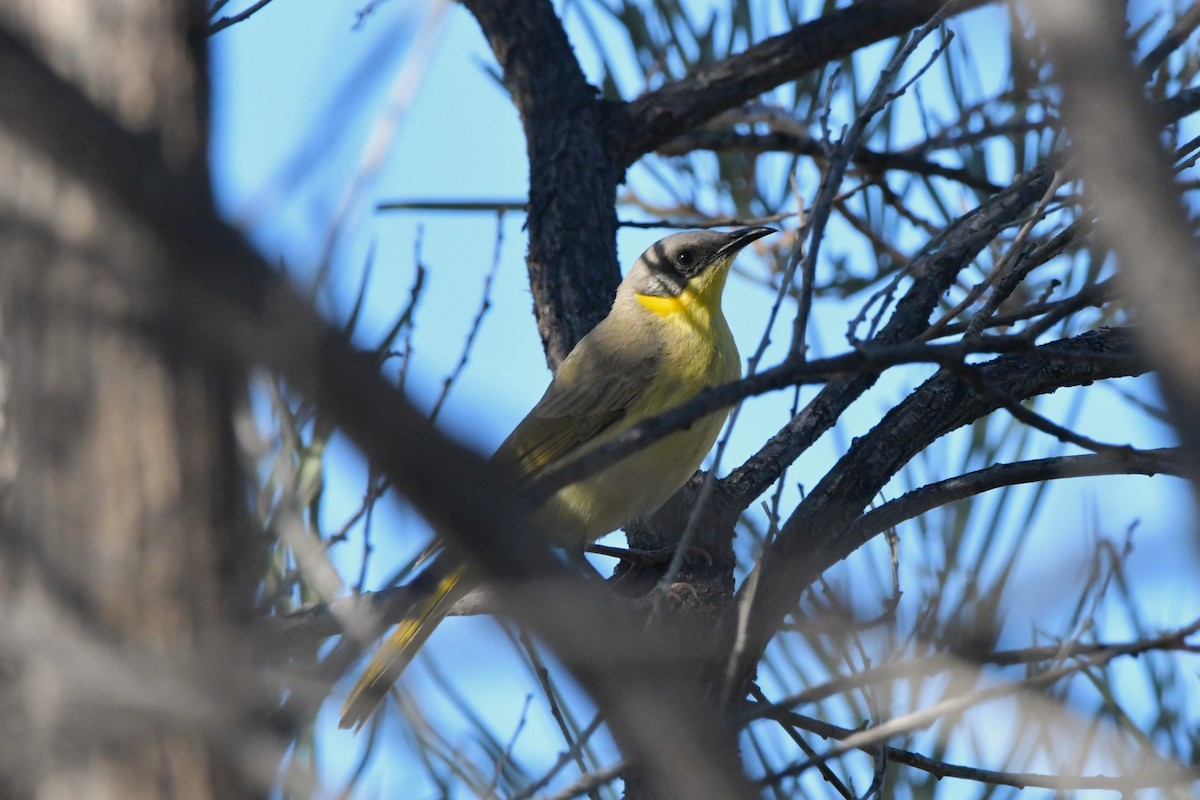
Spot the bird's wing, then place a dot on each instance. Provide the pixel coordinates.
(592, 391)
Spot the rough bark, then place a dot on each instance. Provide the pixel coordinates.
(120, 502)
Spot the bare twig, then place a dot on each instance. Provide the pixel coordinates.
(543, 677)
(487, 206)
(591, 781)
(827, 773)
(485, 303)
(832, 178)
(953, 705)
(218, 25)
(1021, 780)
(800, 143)
(572, 754)
(661, 115)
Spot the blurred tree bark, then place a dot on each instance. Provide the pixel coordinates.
(120, 480)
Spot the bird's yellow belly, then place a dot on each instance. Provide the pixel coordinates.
(632, 488)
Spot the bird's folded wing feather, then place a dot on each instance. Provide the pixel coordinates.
(588, 396)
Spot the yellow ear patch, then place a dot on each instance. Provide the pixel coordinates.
(666, 306)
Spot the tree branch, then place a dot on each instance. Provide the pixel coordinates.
(934, 270)
(927, 498)
(218, 25)
(659, 116)
(921, 718)
(870, 161)
(817, 535)
(866, 361)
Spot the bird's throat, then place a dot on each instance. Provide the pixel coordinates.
(701, 297)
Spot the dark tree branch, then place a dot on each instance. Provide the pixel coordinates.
(1172, 40)
(867, 361)
(927, 498)
(816, 536)
(1049, 312)
(1184, 104)
(659, 116)
(935, 269)
(873, 162)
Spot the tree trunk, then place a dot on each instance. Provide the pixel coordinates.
(120, 505)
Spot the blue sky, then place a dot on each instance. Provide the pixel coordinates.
(298, 91)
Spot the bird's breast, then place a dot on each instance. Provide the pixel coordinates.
(691, 354)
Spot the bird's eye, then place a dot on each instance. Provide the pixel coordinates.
(686, 258)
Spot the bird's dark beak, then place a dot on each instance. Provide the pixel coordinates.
(741, 238)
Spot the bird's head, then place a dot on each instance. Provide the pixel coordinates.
(689, 266)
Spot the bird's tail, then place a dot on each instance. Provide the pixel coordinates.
(444, 586)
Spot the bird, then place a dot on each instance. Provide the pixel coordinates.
(663, 341)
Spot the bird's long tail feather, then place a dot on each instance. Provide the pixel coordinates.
(444, 588)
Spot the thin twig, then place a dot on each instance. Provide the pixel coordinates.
(564, 758)
(931, 665)
(488, 206)
(485, 303)
(543, 676)
(383, 131)
(1020, 780)
(502, 762)
(1007, 263)
(224, 22)
(835, 170)
(828, 774)
(590, 781)
(924, 717)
